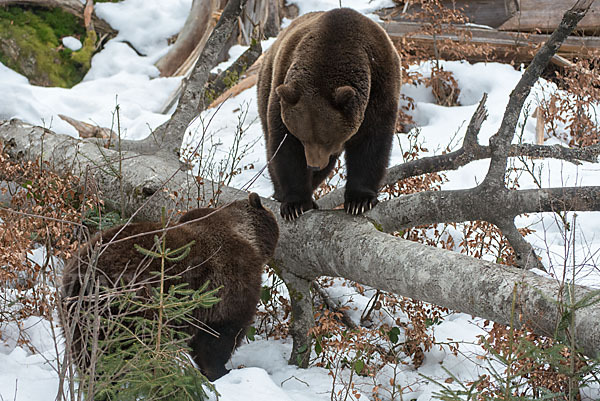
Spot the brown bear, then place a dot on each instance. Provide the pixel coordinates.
(232, 244)
(330, 82)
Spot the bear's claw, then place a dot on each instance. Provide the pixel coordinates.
(359, 206)
(290, 211)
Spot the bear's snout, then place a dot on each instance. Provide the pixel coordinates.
(316, 157)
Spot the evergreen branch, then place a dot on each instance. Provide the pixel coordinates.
(185, 251)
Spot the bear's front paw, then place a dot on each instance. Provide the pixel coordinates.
(292, 210)
(359, 205)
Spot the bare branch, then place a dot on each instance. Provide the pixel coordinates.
(500, 142)
(466, 154)
(87, 130)
(479, 203)
(572, 155)
(525, 255)
(470, 141)
(333, 306)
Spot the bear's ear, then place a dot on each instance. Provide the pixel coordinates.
(343, 95)
(254, 201)
(288, 94)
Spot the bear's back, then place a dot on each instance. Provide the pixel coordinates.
(217, 251)
(328, 47)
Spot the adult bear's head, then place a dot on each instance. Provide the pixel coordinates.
(247, 218)
(323, 120)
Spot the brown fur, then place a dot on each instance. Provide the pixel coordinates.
(232, 244)
(329, 83)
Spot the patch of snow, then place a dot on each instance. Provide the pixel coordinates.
(72, 43)
(365, 7)
(146, 24)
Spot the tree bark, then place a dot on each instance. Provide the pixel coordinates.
(194, 35)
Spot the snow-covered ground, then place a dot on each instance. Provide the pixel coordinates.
(120, 76)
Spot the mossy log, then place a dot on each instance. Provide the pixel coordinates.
(30, 43)
(74, 7)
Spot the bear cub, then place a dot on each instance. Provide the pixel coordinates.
(232, 244)
(329, 83)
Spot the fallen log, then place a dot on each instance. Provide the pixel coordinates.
(87, 130)
(324, 242)
(545, 15)
(507, 46)
(506, 15)
(492, 13)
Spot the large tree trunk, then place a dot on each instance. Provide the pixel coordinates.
(324, 243)
(262, 15)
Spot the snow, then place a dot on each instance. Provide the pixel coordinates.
(365, 7)
(146, 24)
(72, 43)
(27, 375)
(243, 381)
(260, 371)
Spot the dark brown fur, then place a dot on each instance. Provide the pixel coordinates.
(329, 83)
(232, 244)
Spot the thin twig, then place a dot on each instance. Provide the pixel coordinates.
(332, 306)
